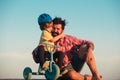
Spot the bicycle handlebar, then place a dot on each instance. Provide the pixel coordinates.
(51, 46)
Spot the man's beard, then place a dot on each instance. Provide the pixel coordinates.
(54, 34)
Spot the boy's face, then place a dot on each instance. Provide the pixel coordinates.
(49, 24)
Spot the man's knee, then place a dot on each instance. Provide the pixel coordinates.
(91, 45)
(89, 56)
(84, 49)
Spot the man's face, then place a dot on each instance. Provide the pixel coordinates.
(57, 29)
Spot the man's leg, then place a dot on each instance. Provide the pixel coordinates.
(79, 58)
(73, 75)
(85, 52)
(90, 60)
(77, 63)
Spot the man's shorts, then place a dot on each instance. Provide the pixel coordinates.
(77, 62)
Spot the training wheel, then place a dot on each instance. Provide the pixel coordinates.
(27, 73)
(54, 74)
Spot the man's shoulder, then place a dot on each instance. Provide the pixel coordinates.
(66, 35)
(72, 38)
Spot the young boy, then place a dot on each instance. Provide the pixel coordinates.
(46, 25)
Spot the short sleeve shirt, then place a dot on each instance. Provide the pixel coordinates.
(45, 37)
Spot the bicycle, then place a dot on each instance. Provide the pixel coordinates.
(52, 71)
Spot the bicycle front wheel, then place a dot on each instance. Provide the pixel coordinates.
(54, 74)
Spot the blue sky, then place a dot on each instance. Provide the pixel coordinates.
(95, 20)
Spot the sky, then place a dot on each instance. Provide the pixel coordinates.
(95, 20)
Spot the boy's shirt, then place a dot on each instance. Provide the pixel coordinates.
(45, 37)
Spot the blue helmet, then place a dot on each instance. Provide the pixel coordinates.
(43, 18)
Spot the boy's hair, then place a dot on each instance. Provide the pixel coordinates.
(58, 20)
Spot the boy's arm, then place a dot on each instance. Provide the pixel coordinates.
(57, 38)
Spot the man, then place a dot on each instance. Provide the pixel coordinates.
(76, 52)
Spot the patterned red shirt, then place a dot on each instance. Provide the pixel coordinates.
(68, 47)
